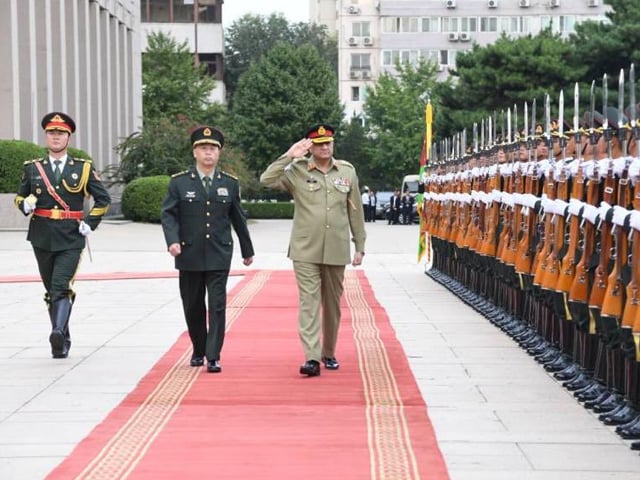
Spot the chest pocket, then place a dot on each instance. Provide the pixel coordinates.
(312, 185)
(342, 188)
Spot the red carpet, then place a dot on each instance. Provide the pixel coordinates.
(259, 419)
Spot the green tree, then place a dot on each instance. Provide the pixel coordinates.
(510, 71)
(172, 84)
(395, 113)
(606, 47)
(243, 50)
(351, 145)
(287, 91)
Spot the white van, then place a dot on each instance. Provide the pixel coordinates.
(410, 183)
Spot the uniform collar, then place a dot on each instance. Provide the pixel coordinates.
(311, 164)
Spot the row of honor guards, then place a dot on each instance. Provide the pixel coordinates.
(540, 231)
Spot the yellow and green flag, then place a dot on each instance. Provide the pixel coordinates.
(424, 159)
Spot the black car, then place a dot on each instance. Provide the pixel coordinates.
(383, 199)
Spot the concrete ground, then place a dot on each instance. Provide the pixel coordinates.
(497, 414)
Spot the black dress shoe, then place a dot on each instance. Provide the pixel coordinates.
(56, 339)
(64, 353)
(196, 361)
(635, 446)
(330, 363)
(213, 366)
(311, 368)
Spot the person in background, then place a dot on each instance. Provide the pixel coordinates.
(366, 207)
(328, 208)
(53, 190)
(201, 206)
(395, 205)
(373, 204)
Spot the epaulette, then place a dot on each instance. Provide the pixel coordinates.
(229, 175)
(345, 163)
(86, 160)
(27, 162)
(179, 174)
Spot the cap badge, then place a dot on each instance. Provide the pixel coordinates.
(206, 132)
(321, 131)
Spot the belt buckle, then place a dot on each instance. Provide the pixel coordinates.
(56, 214)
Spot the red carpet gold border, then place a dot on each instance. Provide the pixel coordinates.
(128, 446)
(392, 454)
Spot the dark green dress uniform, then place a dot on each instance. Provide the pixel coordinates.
(201, 223)
(54, 235)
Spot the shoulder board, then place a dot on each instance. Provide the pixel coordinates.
(229, 175)
(179, 174)
(27, 162)
(87, 160)
(344, 163)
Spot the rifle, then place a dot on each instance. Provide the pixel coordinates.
(601, 275)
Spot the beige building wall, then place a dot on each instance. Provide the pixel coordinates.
(78, 56)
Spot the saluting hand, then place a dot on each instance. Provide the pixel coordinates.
(299, 149)
(175, 249)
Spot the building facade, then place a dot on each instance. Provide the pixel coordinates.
(78, 56)
(196, 22)
(373, 34)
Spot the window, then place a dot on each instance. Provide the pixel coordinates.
(408, 24)
(430, 24)
(468, 24)
(212, 63)
(360, 61)
(390, 24)
(409, 56)
(449, 24)
(488, 24)
(361, 29)
(567, 23)
(443, 57)
(175, 11)
(355, 94)
(525, 25)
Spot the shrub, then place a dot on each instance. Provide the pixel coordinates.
(142, 198)
(13, 154)
(268, 209)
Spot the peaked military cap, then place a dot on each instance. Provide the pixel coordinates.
(321, 133)
(205, 134)
(58, 121)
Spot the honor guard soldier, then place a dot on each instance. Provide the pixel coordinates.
(53, 190)
(201, 206)
(328, 208)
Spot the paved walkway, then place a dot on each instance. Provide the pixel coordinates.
(497, 413)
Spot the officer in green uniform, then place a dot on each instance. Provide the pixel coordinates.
(53, 190)
(328, 208)
(201, 206)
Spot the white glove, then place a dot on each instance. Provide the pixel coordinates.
(29, 204)
(84, 229)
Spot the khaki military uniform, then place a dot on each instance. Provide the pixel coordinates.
(328, 215)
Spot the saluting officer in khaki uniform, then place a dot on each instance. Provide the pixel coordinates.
(328, 208)
(53, 190)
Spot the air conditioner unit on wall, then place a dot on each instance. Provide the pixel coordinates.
(453, 36)
(450, 3)
(492, 3)
(352, 41)
(554, 3)
(368, 41)
(593, 3)
(366, 74)
(353, 10)
(465, 36)
(524, 3)
(354, 74)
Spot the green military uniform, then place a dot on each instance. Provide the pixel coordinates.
(54, 227)
(328, 208)
(201, 222)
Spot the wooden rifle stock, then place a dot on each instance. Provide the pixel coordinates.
(631, 314)
(601, 276)
(613, 303)
(524, 256)
(580, 287)
(554, 259)
(569, 261)
(544, 248)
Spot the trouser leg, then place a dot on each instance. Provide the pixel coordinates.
(192, 293)
(332, 278)
(308, 279)
(216, 282)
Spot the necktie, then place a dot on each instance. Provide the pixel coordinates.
(207, 183)
(56, 171)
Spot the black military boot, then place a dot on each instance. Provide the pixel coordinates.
(59, 338)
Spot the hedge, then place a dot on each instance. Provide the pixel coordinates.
(13, 154)
(268, 209)
(142, 198)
